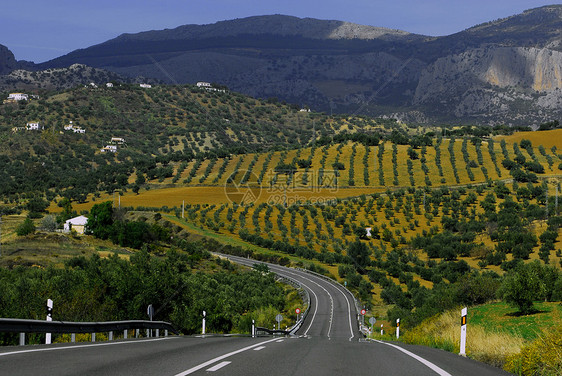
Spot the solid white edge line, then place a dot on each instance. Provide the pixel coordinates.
(218, 358)
(315, 310)
(427, 363)
(84, 346)
(218, 366)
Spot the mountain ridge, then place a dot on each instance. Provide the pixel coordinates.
(343, 67)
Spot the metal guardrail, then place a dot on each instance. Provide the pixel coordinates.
(24, 326)
(40, 326)
(273, 331)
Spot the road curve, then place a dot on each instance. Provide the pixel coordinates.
(332, 308)
(328, 343)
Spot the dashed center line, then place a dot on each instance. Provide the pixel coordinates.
(259, 348)
(218, 366)
(279, 341)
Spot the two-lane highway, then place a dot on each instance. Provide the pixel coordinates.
(332, 308)
(328, 343)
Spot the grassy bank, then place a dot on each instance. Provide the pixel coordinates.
(522, 344)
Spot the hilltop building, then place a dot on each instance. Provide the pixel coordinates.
(207, 86)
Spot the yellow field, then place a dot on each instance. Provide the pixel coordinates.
(547, 139)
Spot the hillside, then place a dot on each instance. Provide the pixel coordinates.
(503, 71)
(158, 125)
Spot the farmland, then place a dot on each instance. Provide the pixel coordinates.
(403, 194)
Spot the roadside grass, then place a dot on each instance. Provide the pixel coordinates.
(502, 317)
(497, 336)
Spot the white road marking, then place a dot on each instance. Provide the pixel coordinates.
(349, 310)
(315, 310)
(84, 346)
(259, 348)
(427, 363)
(279, 341)
(218, 366)
(218, 358)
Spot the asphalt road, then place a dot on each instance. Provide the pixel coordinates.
(328, 343)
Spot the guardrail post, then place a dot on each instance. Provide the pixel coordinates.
(165, 332)
(22, 339)
(137, 333)
(148, 333)
(125, 333)
(93, 337)
(111, 336)
(157, 332)
(73, 337)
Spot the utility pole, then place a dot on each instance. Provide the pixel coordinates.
(546, 195)
(555, 203)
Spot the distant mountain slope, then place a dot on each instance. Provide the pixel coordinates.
(7, 60)
(58, 78)
(336, 66)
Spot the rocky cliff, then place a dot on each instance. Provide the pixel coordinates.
(507, 70)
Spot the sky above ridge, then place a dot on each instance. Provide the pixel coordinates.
(40, 30)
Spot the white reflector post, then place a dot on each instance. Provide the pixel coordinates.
(49, 318)
(397, 328)
(463, 331)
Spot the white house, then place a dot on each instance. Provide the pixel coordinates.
(109, 84)
(77, 224)
(146, 86)
(109, 148)
(207, 86)
(117, 140)
(74, 128)
(69, 127)
(33, 126)
(17, 97)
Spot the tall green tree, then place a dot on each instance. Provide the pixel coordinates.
(521, 287)
(100, 220)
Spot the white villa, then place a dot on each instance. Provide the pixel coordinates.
(117, 140)
(17, 97)
(207, 86)
(74, 128)
(33, 126)
(77, 224)
(146, 86)
(109, 148)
